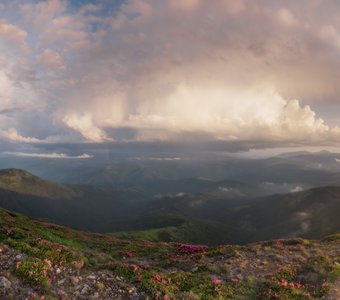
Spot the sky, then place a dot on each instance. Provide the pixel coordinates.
(221, 72)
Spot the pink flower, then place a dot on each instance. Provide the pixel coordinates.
(234, 280)
(298, 285)
(48, 262)
(60, 292)
(278, 243)
(157, 277)
(216, 281)
(18, 264)
(134, 267)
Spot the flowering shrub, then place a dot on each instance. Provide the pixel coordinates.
(35, 296)
(159, 285)
(36, 272)
(216, 287)
(283, 286)
(57, 253)
(186, 249)
(164, 285)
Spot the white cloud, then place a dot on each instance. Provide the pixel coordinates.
(233, 6)
(11, 33)
(86, 127)
(42, 13)
(12, 134)
(229, 114)
(184, 4)
(50, 59)
(159, 158)
(286, 17)
(91, 8)
(49, 155)
(296, 190)
(178, 195)
(304, 222)
(225, 189)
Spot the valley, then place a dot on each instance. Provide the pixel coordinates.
(148, 201)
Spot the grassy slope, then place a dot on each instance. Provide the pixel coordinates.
(23, 182)
(288, 269)
(83, 207)
(189, 231)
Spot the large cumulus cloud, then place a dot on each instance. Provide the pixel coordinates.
(167, 70)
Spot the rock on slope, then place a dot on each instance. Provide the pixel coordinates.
(39, 260)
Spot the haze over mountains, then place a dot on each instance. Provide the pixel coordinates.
(127, 168)
(218, 200)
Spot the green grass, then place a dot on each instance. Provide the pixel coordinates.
(189, 231)
(58, 238)
(166, 234)
(335, 274)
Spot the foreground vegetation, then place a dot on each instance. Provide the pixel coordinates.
(280, 269)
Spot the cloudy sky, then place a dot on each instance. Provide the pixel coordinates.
(113, 71)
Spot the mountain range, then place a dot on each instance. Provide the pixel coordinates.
(221, 212)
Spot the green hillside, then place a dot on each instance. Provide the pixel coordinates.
(310, 214)
(82, 207)
(185, 230)
(40, 260)
(23, 182)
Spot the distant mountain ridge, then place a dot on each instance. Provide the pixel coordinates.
(301, 168)
(207, 217)
(312, 214)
